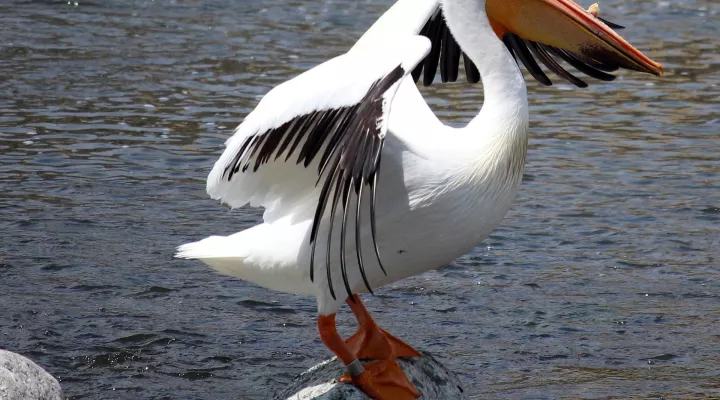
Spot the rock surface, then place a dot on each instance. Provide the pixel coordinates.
(22, 379)
(430, 378)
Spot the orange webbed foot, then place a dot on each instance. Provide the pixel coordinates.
(374, 343)
(384, 380)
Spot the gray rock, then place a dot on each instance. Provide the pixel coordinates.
(430, 378)
(22, 379)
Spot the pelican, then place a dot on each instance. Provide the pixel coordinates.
(362, 185)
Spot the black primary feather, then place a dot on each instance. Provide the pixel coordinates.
(540, 52)
(336, 197)
(417, 72)
(449, 57)
(522, 52)
(435, 34)
(347, 143)
(445, 52)
(611, 24)
(471, 72)
(343, 233)
(580, 65)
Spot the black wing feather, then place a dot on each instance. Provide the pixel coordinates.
(348, 142)
(521, 51)
(445, 54)
(471, 71)
(435, 34)
(611, 24)
(580, 65)
(540, 52)
(417, 72)
(449, 58)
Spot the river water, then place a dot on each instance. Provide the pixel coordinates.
(603, 282)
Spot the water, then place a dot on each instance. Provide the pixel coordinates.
(602, 282)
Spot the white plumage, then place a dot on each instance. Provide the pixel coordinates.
(283, 188)
(442, 190)
(353, 168)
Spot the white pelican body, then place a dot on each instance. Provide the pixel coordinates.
(442, 190)
(438, 191)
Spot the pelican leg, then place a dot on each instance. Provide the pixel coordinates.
(380, 380)
(334, 342)
(371, 342)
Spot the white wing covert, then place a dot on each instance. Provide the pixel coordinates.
(316, 140)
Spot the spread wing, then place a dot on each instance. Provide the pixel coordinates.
(425, 17)
(315, 141)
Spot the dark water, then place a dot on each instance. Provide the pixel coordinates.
(603, 281)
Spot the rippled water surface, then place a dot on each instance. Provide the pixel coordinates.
(602, 282)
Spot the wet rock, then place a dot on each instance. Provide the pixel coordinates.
(22, 379)
(430, 378)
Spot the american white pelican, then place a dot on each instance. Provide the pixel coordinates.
(362, 185)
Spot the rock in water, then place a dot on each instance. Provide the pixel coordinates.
(22, 379)
(430, 378)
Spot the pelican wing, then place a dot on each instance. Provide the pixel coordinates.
(446, 53)
(425, 17)
(316, 140)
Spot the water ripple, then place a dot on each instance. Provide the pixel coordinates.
(602, 282)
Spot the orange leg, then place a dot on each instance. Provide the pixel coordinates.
(333, 340)
(371, 342)
(381, 380)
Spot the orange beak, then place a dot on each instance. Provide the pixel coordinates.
(565, 25)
